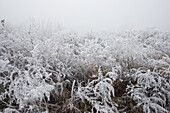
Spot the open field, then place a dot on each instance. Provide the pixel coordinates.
(45, 71)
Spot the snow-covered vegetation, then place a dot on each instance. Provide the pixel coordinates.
(45, 70)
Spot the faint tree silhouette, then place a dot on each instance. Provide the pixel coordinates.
(3, 22)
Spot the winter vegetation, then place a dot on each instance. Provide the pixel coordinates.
(44, 70)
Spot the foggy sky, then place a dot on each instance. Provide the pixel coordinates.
(82, 15)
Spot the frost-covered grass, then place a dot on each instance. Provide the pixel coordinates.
(97, 72)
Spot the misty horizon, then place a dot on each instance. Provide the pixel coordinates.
(85, 15)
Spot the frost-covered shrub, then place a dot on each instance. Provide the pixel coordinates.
(99, 92)
(150, 91)
(24, 82)
(29, 76)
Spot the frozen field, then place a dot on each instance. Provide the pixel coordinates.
(45, 71)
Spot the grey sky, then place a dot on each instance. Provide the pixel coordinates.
(102, 15)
